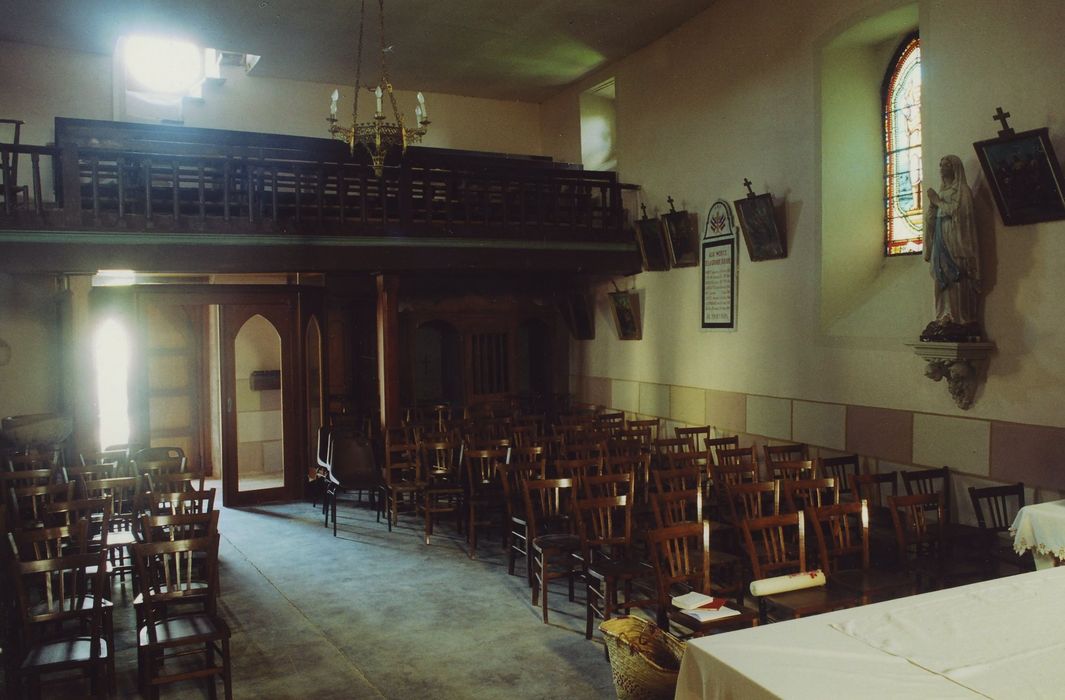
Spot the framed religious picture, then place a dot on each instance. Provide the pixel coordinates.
(1024, 175)
(682, 234)
(626, 311)
(652, 241)
(765, 241)
(578, 315)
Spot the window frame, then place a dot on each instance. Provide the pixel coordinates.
(895, 65)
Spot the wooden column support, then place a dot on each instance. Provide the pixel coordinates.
(388, 349)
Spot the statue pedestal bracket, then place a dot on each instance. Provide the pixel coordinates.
(963, 365)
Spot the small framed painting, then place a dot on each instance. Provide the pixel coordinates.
(626, 311)
(651, 237)
(758, 220)
(683, 234)
(1024, 175)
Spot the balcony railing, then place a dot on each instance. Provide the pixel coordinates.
(115, 177)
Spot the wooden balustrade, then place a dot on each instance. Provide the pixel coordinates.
(227, 182)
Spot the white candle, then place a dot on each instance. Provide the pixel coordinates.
(377, 92)
(425, 112)
(418, 114)
(333, 105)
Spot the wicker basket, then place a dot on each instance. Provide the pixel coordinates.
(644, 660)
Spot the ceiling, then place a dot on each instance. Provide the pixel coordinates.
(500, 49)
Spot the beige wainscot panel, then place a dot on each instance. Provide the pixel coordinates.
(626, 395)
(654, 399)
(726, 411)
(769, 416)
(820, 424)
(687, 405)
(962, 444)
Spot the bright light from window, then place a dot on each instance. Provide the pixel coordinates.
(114, 278)
(111, 349)
(163, 65)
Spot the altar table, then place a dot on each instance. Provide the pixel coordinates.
(995, 639)
(1040, 527)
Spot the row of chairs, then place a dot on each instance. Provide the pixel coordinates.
(62, 604)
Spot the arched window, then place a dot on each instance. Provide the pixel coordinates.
(902, 151)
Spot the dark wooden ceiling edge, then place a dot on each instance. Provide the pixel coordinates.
(86, 258)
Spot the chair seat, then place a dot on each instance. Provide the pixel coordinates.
(119, 538)
(83, 603)
(619, 568)
(746, 618)
(61, 652)
(557, 542)
(871, 581)
(810, 601)
(185, 629)
(196, 585)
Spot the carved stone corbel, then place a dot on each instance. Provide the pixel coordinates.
(963, 365)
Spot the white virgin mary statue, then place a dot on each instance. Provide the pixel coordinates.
(952, 249)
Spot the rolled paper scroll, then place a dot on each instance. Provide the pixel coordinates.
(784, 584)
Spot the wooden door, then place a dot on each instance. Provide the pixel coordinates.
(173, 344)
(260, 401)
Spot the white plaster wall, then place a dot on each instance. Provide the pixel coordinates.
(735, 93)
(29, 324)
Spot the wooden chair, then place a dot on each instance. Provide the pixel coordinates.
(441, 467)
(640, 439)
(800, 494)
(169, 580)
(485, 505)
(9, 186)
(792, 469)
(776, 546)
(666, 446)
(526, 463)
(548, 508)
(742, 457)
(577, 469)
(351, 468)
(790, 452)
(926, 481)
(605, 526)
(725, 442)
(677, 507)
(28, 503)
(875, 490)
(842, 469)
(180, 502)
(126, 495)
(176, 481)
(842, 531)
(609, 485)
(78, 473)
(682, 562)
(402, 481)
(53, 542)
(61, 627)
(756, 499)
(652, 424)
(697, 435)
(920, 521)
(24, 477)
(996, 508)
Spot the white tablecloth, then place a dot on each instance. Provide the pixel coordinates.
(997, 639)
(1041, 528)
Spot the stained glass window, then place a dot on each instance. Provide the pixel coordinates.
(902, 149)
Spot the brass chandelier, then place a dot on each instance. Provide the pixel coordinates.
(380, 136)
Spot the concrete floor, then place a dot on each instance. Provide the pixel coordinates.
(373, 614)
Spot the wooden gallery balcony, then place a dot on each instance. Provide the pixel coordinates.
(160, 198)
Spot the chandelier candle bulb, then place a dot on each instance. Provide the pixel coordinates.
(333, 104)
(377, 92)
(425, 113)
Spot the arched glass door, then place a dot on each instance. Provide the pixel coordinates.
(258, 404)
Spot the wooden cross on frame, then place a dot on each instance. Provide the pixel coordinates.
(750, 190)
(1001, 117)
